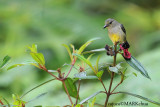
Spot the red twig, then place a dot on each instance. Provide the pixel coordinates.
(2, 103)
(67, 92)
(79, 82)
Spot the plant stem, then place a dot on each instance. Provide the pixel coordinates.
(79, 82)
(115, 93)
(117, 85)
(73, 62)
(67, 92)
(112, 75)
(2, 103)
(45, 69)
(103, 86)
(69, 71)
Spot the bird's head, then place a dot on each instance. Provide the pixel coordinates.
(109, 22)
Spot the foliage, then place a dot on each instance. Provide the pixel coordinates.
(5, 60)
(50, 23)
(69, 84)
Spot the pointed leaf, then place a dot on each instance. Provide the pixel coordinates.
(15, 65)
(38, 57)
(90, 56)
(91, 104)
(123, 76)
(34, 64)
(69, 51)
(118, 66)
(134, 74)
(99, 74)
(16, 101)
(137, 66)
(91, 96)
(71, 87)
(141, 97)
(97, 63)
(114, 69)
(85, 60)
(81, 49)
(95, 50)
(5, 60)
(33, 49)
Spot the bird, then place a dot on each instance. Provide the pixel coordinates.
(117, 34)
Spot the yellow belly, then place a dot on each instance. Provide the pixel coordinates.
(115, 38)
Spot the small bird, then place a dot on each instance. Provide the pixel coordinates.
(117, 33)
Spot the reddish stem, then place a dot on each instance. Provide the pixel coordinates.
(103, 86)
(45, 69)
(115, 93)
(79, 82)
(112, 75)
(2, 103)
(67, 92)
(117, 85)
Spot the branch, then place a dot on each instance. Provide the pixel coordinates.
(67, 92)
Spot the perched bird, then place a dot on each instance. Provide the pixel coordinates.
(117, 33)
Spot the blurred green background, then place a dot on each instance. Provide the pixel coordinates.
(51, 23)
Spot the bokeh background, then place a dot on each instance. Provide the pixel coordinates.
(51, 23)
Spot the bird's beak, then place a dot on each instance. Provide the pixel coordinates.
(106, 25)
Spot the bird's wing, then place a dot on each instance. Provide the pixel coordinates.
(123, 29)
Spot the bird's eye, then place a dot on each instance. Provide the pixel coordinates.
(110, 22)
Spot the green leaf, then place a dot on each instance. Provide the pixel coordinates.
(33, 49)
(17, 101)
(5, 60)
(123, 76)
(90, 57)
(36, 87)
(68, 50)
(78, 105)
(91, 104)
(137, 66)
(38, 57)
(91, 96)
(134, 74)
(116, 68)
(141, 97)
(95, 50)
(34, 64)
(85, 60)
(97, 63)
(99, 74)
(15, 65)
(82, 75)
(71, 87)
(81, 49)
(22, 64)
